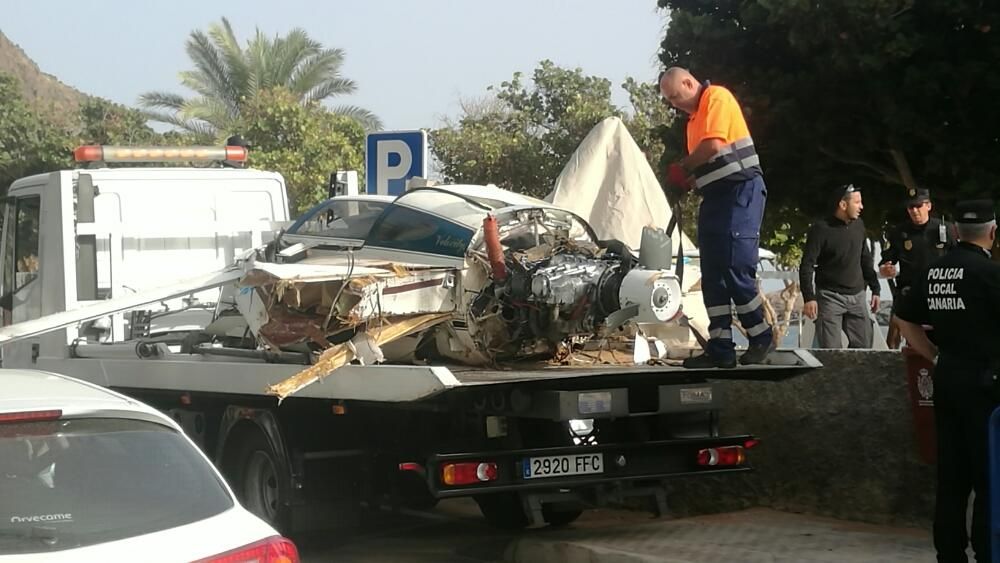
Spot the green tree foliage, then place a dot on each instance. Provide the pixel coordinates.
(521, 137)
(305, 143)
(884, 93)
(227, 77)
(29, 144)
(108, 123)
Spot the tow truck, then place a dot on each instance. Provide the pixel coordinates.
(124, 276)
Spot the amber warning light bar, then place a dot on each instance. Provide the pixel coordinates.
(113, 153)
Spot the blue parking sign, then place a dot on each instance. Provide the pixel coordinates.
(392, 158)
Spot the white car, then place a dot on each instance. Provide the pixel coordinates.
(87, 474)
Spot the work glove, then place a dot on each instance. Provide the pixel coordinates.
(678, 183)
(678, 177)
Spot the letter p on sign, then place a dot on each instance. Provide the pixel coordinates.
(392, 158)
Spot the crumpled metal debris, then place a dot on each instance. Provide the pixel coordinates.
(364, 345)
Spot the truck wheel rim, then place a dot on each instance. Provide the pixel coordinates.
(262, 486)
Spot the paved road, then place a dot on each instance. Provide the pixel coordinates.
(455, 532)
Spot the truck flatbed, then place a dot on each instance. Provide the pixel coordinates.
(386, 383)
(782, 364)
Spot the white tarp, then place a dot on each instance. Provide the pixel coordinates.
(609, 183)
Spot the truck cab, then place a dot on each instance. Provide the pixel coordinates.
(74, 237)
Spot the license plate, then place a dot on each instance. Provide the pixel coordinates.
(562, 465)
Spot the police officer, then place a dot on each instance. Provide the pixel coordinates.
(723, 165)
(959, 296)
(912, 245)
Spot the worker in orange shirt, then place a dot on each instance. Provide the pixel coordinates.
(723, 166)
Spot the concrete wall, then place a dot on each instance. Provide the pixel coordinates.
(836, 442)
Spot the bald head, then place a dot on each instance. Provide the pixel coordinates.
(680, 88)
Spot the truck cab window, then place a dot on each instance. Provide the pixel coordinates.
(21, 218)
(26, 261)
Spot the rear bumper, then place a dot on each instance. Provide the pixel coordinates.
(621, 463)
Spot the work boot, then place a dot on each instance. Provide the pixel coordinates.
(705, 361)
(756, 353)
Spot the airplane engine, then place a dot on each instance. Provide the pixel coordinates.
(567, 298)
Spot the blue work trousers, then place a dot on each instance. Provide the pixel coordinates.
(728, 239)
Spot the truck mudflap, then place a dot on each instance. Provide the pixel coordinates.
(465, 474)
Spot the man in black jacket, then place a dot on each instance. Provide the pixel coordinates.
(837, 253)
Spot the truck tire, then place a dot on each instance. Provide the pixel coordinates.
(259, 480)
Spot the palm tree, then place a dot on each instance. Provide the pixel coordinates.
(226, 76)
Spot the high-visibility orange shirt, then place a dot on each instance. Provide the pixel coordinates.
(718, 117)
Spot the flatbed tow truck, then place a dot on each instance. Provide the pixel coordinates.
(86, 254)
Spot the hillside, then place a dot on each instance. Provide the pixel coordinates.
(41, 90)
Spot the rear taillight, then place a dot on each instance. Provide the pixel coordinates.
(726, 456)
(29, 416)
(467, 473)
(272, 550)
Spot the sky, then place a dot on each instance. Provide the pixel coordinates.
(412, 60)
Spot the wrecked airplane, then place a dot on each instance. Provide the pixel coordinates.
(469, 274)
(442, 274)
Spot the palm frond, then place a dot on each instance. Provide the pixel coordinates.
(161, 100)
(211, 69)
(368, 120)
(329, 88)
(257, 52)
(209, 110)
(320, 70)
(175, 119)
(195, 80)
(290, 52)
(236, 63)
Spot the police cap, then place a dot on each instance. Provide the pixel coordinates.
(975, 211)
(917, 196)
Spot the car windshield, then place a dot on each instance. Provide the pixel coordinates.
(348, 219)
(78, 482)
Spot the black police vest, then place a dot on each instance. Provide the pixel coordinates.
(917, 246)
(960, 297)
